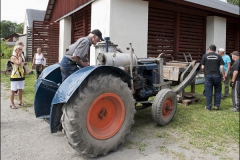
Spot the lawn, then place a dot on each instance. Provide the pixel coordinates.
(28, 93)
(214, 132)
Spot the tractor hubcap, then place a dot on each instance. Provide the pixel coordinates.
(105, 116)
(167, 108)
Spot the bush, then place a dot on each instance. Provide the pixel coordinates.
(5, 50)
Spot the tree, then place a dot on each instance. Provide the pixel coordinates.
(234, 2)
(19, 28)
(8, 28)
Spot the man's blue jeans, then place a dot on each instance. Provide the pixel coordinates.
(213, 81)
(67, 68)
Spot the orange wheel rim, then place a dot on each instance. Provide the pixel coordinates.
(167, 108)
(105, 116)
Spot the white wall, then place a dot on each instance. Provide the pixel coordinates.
(124, 21)
(100, 19)
(64, 36)
(25, 24)
(216, 31)
(24, 40)
(129, 24)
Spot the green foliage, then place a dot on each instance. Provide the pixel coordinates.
(19, 28)
(234, 2)
(6, 50)
(8, 28)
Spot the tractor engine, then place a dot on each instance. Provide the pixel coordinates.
(144, 74)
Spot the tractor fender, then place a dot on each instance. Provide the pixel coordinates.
(46, 74)
(71, 84)
(45, 89)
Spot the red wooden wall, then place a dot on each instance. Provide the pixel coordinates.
(175, 30)
(232, 37)
(45, 35)
(81, 23)
(63, 7)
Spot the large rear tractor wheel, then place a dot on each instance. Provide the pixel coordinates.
(164, 107)
(99, 115)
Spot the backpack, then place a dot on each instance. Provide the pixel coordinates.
(8, 65)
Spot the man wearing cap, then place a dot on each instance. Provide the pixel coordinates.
(210, 66)
(76, 57)
(227, 67)
(235, 82)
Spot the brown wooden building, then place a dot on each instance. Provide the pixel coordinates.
(153, 26)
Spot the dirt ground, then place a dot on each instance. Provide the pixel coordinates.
(23, 137)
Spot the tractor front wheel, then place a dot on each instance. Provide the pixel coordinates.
(164, 106)
(99, 115)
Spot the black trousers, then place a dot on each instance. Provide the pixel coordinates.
(236, 95)
(39, 69)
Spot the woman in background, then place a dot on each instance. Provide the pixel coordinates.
(37, 61)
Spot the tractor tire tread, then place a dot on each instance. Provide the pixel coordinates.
(74, 115)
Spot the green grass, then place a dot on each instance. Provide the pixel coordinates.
(214, 132)
(28, 93)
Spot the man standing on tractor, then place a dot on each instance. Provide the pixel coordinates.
(76, 57)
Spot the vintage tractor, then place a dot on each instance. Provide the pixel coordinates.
(95, 106)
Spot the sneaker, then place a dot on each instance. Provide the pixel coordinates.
(207, 109)
(234, 109)
(216, 108)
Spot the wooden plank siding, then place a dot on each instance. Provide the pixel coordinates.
(63, 7)
(45, 35)
(192, 36)
(81, 23)
(174, 31)
(160, 31)
(230, 38)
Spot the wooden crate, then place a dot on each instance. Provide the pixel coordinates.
(171, 72)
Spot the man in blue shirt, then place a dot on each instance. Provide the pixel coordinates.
(227, 67)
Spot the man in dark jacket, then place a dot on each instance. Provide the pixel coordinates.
(210, 66)
(235, 82)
